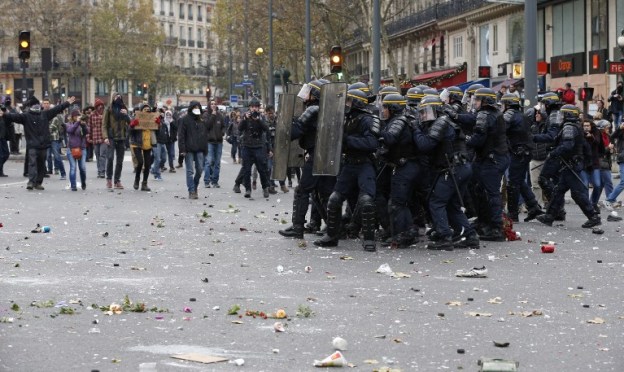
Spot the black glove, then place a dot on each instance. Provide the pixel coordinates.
(450, 112)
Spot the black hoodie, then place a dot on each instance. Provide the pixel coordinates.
(193, 132)
(36, 125)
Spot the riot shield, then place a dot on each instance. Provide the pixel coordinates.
(328, 149)
(281, 150)
(297, 156)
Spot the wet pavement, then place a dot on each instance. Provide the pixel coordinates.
(183, 264)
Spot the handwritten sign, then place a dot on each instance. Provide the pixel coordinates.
(147, 120)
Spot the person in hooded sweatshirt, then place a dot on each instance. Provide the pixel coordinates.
(193, 145)
(37, 131)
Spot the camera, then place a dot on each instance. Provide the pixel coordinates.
(255, 115)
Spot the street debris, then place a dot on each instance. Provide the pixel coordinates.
(280, 314)
(279, 327)
(233, 310)
(493, 365)
(334, 360)
(340, 343)
(501, 344)
(239, 362)
(475, 272)
(384, 269)
(495, 300)
(307, 269)
(158, 222)
(304, 311)
(596, 320)
(548, 248)
(478, 314)
(527, 314)
(41, 229)
(200, 358)
(454, 303)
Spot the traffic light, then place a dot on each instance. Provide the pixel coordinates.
(335, 59)
(24, 45)
(585, 94)
(208, 92)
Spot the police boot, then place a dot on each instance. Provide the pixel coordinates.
(311, 228)
(493, 233)
(442, 244)
(294, 231)
(326, 241)
(534, 211)
(367, 216)
(546, 219)
(512, 203)
(560, 215)
(471, 241)
(593, 221)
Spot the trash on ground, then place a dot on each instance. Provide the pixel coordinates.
(384, 269)
(201, 358)
(494, 365)
(596, 320)
(340, 343)
(334, 360)
(548, 248)
(495, 300)
(238, 362)
(279, 327)
(478, 314)
(475, 272)
(501, 344)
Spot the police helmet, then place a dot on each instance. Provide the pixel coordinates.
(486, 96)
(395, 103)
(510, 100)
(430, 92)
(422, 86)
(414, 95)
(360, 86)
(473, 88)
(550, 100)
(569, 113)
(388, 90)
(429, 108)
(455, 94)
(315, 88)
(356, 99)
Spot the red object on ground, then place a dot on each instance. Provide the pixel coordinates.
(548, 248)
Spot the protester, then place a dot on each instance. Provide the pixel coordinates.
(57, 133)
(617, 104)
(95, 137)
(114, 131)
(141, 143)
(193, 144)
(4, 147)
(216, 131)
(77, 131)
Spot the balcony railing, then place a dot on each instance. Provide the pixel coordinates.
(182, 42)
(191, 43)
(171, 40)
(200, 44)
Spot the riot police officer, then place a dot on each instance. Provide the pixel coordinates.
(446, 144)
(401, 156)
(304, 129)
(359, 142)
(569, 149)
(520, 146)
(491, 160)
(549, 174)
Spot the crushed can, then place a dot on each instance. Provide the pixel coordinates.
(548, 248)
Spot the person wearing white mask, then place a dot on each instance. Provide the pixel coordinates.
(193, 144)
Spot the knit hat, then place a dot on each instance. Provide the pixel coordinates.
(32, 101)
(99, 102)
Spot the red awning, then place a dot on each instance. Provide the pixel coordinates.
(432, 75)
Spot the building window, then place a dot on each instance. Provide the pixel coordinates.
(495, 38)
(442, 51)
(458, 46)
(181, 11)
(162, 7)
(200, 36)
(599, 25)
(190, 60)
(190, 11)
(568, 28)
(181, 33)
(199, 13)
(190, 33)
(541, 53)
(171, 30)
(433, 55)
(484, 45)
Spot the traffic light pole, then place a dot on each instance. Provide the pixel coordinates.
(24, 85)
(585, 104)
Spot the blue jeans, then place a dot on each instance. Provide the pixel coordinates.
(212, 167)
(193, 171)
(592, 178)
(606, 183)
(158, 151)
(101, 152)
(619, 188)
(82, 164)
(54, 154)
(170, 147)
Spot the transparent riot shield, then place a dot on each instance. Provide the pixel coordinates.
(281, 150)
(297, 156)
(328, 149)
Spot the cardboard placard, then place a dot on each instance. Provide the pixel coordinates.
(146, 120)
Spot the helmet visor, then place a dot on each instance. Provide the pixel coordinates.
(427, 113)
(560, 118)
(304, 92)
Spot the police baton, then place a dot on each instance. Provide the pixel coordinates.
(567, 165)
(537, 166)
(452, 172)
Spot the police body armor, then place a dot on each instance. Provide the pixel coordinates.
(540, 150)
(496, 140)
(308, 119)
(353, 126)
(449, 153)
(404, 150)
(520, 139)
(574, 132)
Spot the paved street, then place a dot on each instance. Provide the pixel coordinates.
(190, 261)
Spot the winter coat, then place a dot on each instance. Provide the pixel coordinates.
(37, 125)
(77, 134)
(216, 127)
(192, 133)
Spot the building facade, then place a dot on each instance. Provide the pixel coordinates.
(443, 43)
